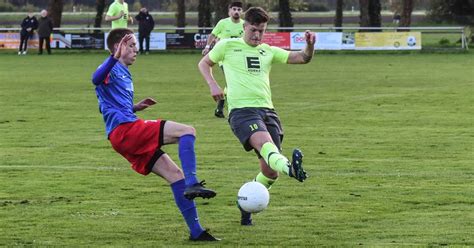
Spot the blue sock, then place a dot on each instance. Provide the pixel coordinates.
(188, 158)
(187, 208)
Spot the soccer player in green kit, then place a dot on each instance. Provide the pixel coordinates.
(247, 63)
(231, 27)
(118, 14)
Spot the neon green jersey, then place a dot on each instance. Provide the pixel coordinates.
(247, 71)
(114, 10)
(226, 28)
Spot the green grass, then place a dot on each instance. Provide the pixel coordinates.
(388, 143)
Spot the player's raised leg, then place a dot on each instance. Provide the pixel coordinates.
(185, 136)
(263, 143)
(167, 169)
(267, 175)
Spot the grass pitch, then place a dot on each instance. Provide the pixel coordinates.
(388, 143)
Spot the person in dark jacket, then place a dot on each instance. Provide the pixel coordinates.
(145, 25)
(28, 25)
(45, 28)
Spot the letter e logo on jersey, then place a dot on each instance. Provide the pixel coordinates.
(253, 64)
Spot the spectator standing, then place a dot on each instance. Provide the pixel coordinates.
(396, 18)
(28, 25)
(146, 24)
(45, 28)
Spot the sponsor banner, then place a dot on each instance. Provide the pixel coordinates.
(186, 40)
(324, 41)
(297, 40)
(59, 40)
(200, 40)
(177, 40)
(87, 41)
(12, 41)
(157, 41)
(328, 41)
(348, 41)
(278, 39)
(388, 41)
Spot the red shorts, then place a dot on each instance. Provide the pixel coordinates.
(139, 142)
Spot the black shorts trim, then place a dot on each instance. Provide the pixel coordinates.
(158, 153)
(162, 134)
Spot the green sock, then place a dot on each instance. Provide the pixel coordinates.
(267, 182)
(274, 158)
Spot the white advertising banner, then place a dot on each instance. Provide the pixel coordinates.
(324, 41)
(297, 40)
(157, 41)
(328, 41)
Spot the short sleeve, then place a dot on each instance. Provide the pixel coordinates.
(280, 56)
(218, 51)
(112, 10)
(217, 29)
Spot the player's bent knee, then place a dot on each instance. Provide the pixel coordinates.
(173, 175)
(167, 169)
(188, 130)
(178, 173)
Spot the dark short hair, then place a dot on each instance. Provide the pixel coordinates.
(115, 36)
(256, 15)
(235, 4)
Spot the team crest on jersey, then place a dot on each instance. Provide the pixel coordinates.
(262, 52)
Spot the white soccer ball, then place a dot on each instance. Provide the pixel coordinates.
(253, 197)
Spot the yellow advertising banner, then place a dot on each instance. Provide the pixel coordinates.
(388, 41)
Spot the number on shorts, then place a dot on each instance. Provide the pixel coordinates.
(253, 127)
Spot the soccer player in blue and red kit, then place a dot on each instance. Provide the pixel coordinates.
(140, 141)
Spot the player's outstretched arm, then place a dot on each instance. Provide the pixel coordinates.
(304, 56)
(205, 67)
(143, 104)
